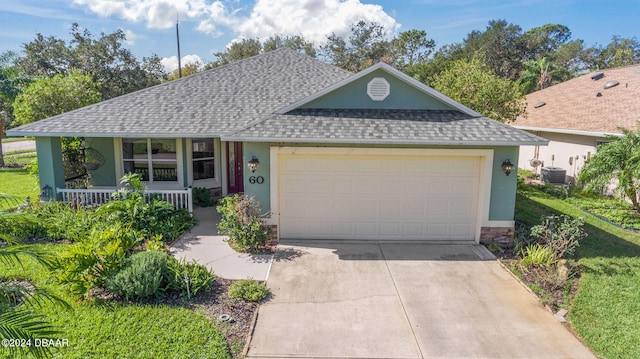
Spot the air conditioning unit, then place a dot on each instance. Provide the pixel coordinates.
(554, 175)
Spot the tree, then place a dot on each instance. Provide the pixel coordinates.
(104, 59)
(251, 47)
(618, 160)
(619, 52)
(11, 84)
(544, 40)
(473, 84)
(365, 46)
(570, 57)
(500, 48)
(412, 48)
(237, 51)
(188, 69)
(296, 42)
(48, 97)
(538, 74)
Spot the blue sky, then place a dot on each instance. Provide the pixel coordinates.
(207, 26)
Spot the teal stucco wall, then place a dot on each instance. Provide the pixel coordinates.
(503, 187)
(401, 96)
(260, 191)
(50, 168)
(106, 174)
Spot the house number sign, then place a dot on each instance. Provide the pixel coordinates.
(258, 180)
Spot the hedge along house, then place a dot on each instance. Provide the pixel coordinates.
(329, 154)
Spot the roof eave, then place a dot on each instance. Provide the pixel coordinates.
(568, 131)
(384, 141)
(109, 134)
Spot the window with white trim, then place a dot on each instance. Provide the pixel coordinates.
(203, 158)
(156, 159)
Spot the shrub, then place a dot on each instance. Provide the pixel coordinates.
(560, 233)
(63, 221)
(152, 216)
(562, 191)
(88, 263)
(538, 255)
(32, 167)
(202, 197)
(242, 222)
(21, 226)
(159, 217)
(249, 290)
(189, 278)
(142, 276)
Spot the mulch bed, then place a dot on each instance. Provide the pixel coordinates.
(551, 296)
(217, 302)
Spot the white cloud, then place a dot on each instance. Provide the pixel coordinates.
(171, 63)
(313, 19)
(157, 14)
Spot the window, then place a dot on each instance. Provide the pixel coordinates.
(155, 159)
(203, 158)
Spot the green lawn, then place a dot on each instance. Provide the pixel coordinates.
(606, 310)
(18, 182)
(117, 330)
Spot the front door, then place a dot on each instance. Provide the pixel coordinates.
(235, 181)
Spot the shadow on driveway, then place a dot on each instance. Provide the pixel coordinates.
(401, 300)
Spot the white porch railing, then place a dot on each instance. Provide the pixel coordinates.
(181, 199)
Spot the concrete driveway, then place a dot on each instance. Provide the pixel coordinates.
(386, 300)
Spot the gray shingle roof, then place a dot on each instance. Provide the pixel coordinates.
(427, 127)
(239, 102)
(210, 103)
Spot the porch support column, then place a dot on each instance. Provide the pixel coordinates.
(50, 166)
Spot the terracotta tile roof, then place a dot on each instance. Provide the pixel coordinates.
(575, 105)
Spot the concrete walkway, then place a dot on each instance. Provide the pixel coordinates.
(402, 300)
(208, 247)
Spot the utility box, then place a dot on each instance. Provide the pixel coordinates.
(555, 175)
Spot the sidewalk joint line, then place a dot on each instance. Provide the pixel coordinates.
(395, 286)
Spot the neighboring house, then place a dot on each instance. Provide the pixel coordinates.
(577, 115)
(335, 155)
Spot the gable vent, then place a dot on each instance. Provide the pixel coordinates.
(378, 89)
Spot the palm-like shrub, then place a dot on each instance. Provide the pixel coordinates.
(18, 320)
(618, 160)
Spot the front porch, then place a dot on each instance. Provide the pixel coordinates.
(91, 197)
(169, 168)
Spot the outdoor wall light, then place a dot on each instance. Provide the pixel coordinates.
(507, 166)
(253, 164)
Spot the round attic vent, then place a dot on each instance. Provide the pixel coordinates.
(378, 89)
(611, 84)
(539, 104)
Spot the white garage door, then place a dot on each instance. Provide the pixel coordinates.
(378, 197)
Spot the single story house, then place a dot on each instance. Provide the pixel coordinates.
(577, 115)
(329, 154)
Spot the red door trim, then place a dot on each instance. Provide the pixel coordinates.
(235, 183)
